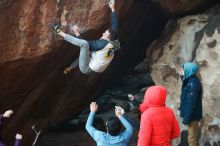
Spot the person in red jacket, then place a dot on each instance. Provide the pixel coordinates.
(158, 123)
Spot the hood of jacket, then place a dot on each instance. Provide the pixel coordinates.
(155, 96)
(190, 69)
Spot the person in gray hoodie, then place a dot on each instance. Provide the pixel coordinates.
(114, 136)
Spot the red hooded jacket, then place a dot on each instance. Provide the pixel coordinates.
(158, 122)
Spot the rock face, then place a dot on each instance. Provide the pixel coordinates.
(180, 7)
(194, 38)
(32, 58)
(25, 34)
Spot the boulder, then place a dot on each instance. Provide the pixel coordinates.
(194, 38)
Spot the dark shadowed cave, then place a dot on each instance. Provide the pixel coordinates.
(32, 58)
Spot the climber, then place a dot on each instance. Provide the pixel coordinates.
(18, 136)
(96, 55)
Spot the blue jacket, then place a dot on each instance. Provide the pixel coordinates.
(104, 139)
(191, 95)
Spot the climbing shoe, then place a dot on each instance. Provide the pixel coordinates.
(55, 27)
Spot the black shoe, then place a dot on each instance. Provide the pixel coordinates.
(55, 27)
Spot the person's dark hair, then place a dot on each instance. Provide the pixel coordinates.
(113, 126)
(113, 34)
(98, 123)
(126, 106)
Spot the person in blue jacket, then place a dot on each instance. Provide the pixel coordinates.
(95, 55)
(18, 136)
(191, 102)
(114, 136)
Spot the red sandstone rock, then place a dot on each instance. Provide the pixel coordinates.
(24, 31)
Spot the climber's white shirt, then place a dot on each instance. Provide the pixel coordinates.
(99, 60)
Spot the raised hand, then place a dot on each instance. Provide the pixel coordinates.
(112, 5)
(119, 111)
(8, 113)
(93, 107)
(76, 30)
(131, 97)
(18, 136)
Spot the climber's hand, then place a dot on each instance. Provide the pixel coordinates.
(112, 5)
(76, 30)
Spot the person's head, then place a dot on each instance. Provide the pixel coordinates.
(155, 96)
(181, 71)
(98, 123)
(188, 69)
(126, 106)
(109, 34)
(113, 126)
